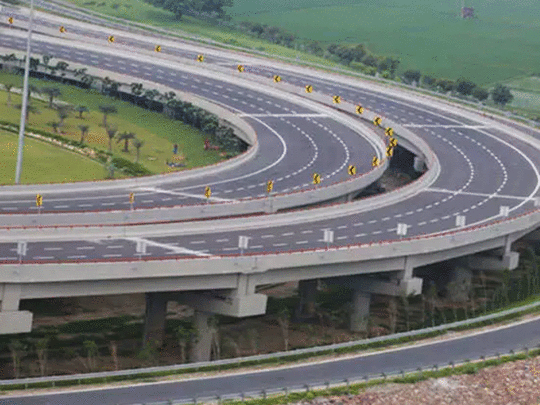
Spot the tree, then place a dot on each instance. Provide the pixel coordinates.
(429, 81)
(392, 314)
(283, 320)
(107, 110)
(370, 60)
(91, 354)
(113, 348)
(55, 125)
(407, 308)
(51, 92)
(501, 95)
(184, 335)
(125, 136)
(432, 297)
(41, 351)
(412, 76)
(84, 131)
(480, 94)
(29, 109)
(8, 87)
(63, 113)
(446, 84)
(465, 86)
(111, 132)
(138, 145)
(18, 351)
(81, 109)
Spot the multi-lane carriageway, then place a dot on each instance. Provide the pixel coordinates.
(484, 164)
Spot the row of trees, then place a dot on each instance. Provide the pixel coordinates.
(211, 8)
(501, 95)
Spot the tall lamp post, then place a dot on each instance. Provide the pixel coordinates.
(18, 170)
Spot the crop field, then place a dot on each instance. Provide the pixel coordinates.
(501, 43)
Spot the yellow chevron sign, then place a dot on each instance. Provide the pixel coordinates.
(200, 58)
(392, 142)
(375, 161)
(316, 178)
(240, 68)
(277, 79)
(131, 198)
(62, 29)
(309, 88)
(377, 121)
(269, 186)
(389, 131)
(351, 170)
(336, 99)
(10, 20)
(111, 39)
(359, 109)
(39, 200)
(389, 151)
(207, 192)
(158, 48)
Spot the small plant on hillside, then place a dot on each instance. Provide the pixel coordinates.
(91, 353)
(84, 132)
(111, 132)
(107, 110)
(81, 109)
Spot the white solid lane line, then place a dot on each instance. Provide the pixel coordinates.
(201, 196)
(175, 249)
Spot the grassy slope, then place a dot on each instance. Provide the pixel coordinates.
(44, 163)
(158, 132)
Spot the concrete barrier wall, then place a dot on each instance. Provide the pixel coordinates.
(482, 236)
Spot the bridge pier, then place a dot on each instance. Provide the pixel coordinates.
(201, 346)
(419, 164)
(11, 319)
(154, 319)
(307, 290)
(360, 311)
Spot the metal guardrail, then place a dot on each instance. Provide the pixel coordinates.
(280, 355)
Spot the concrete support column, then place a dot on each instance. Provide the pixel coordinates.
(10, 298)
(11, 319)
(201, 348)
(154, 319)
(419, 164)
(308, 292)
(360, 311)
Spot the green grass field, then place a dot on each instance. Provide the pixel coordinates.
(499, 46)
(45, 163)
(139, 11)
(158, 132)
(427, 35)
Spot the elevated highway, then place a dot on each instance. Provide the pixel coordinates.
(478, 168)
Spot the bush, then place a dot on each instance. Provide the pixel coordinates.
(412, 76)
(130, 168)
(446, 84)
(480, 94)
(465, 86)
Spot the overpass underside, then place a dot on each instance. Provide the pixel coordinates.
(234, 294)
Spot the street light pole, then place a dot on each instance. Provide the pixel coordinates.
(25, 97)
